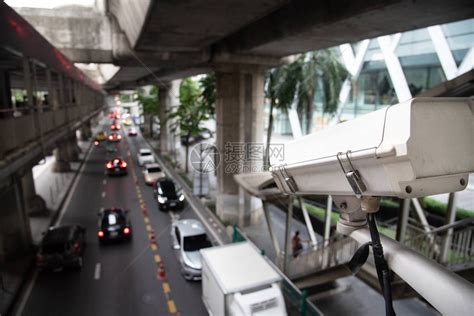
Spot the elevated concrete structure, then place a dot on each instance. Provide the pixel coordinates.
(176, 39)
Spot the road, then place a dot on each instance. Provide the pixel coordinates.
(117, 279)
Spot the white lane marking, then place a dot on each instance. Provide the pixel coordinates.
(104, 182)
(103, 194)
(97, 271)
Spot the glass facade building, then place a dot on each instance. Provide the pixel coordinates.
(419, 55)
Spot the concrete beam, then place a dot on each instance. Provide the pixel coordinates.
(301, 26)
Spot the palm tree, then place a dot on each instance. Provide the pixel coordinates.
(321, 69)
(280, 88)
(299, 82)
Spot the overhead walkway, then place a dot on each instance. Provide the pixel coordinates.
(328, 262)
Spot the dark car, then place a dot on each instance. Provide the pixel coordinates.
(114, 224)
(115, 126)
(114, 137)
(62, 247)
(116, 166)
(168, 196)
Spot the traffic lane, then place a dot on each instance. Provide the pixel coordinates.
(129, 266)
(188, 298)
(55, 293)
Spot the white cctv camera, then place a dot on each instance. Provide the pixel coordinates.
(417, 148)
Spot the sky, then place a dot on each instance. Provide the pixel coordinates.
(48, 4)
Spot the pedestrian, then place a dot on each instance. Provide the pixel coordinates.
(296, 244)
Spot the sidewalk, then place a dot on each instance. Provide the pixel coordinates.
(53, 188)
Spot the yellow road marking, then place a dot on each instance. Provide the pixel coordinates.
(157, 258)
(171, 307)
(154, 247)
(166, 287)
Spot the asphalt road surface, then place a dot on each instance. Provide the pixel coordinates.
(118, 279)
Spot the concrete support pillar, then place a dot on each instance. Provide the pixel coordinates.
(73, 148)
(66, 152)
(170, 141)
(239, 122)
(61, 154)
(32, 202)
(5, 92)
(86, 130)
(163, 114)
(15, 234)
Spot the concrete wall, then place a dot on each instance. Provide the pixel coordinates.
(82, 34)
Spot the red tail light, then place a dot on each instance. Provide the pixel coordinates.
(110, 137)
(100, 233)
(96, 143)
(109, 165)
(77, 246)
(126, 230)
(124, 164)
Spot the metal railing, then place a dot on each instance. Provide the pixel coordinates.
(296, 300)
(339, 250)
(460, 247)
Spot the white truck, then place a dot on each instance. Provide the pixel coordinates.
(237, 280)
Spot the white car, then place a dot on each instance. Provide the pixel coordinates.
(152, 172)
(188, 237)
(145, 156)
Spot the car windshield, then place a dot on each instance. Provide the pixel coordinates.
(145, 154)
(194, 243)
(169, 189)
(113, 219)
(154, 169)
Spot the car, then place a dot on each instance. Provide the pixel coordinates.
(114, 225)
(204, 135)
(101, 136)
(114, 137)
(145, 156)
(62, 247)
(168, 196)
(115, 126)
(152, 172)
(132, 131)
(116, 166)
(188, 237)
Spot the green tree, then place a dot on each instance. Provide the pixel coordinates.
(320, 69)
(151, 105)
(299, 81)
(193, 110)
(208, 94)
